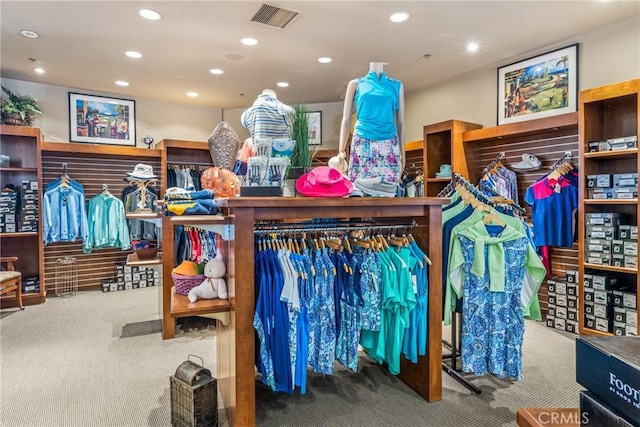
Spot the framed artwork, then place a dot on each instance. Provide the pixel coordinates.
(315, 127)
(102, 120)
(538, 87)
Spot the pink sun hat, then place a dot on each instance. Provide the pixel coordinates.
(324, 181)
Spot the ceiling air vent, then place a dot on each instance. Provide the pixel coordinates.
(273, 17)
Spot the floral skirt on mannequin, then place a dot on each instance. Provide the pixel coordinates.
(370, 158)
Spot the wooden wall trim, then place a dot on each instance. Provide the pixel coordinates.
(522, 128)
(109, 150)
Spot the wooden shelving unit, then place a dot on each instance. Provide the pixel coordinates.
(182, 307)
(443, 145)
(23, 146)
(611, 111)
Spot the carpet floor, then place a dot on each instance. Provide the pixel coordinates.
(98, 360)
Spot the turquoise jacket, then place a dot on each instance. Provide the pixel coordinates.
(107, 224)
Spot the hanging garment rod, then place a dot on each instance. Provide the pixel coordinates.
(494, 162)
(288, 228)
(459, 179)
(183, 164)
(566, 157)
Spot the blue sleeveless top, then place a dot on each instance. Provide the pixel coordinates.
(376, 105)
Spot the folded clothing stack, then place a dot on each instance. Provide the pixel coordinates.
(178, 201)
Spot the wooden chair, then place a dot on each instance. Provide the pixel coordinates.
(11, 280)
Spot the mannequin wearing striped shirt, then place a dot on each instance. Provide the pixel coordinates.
(267, 117)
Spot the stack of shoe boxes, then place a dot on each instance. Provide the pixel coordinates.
(30, 284)
(610, 305)
(563, 305)
(131, 277)
(8, 206)
(625, 247)
(601, 232)
(29, 203)
(613, 186)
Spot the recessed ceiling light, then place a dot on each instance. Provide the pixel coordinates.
(249, 41)
(29, 34)
(149, 14)
(282, 84)
(216, 71)
(398, 17)
(472, 47)
(133, 54)
(192, 94)
(122, 83)
(324, 60)
(39, 70)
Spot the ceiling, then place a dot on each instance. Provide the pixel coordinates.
(81, 44)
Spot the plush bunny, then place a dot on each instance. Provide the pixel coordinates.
(214, 285)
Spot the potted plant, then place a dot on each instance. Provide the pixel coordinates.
(302, 156)
(18, 109)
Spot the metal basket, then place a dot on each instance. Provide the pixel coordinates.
(194, 396)
(66, 276)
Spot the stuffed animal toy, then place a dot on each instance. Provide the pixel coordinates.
(214, 285)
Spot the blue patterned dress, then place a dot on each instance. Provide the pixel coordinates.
(493, 322)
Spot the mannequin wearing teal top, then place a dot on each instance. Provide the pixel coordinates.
(379, 105)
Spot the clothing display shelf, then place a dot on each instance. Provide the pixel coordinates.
(236, 341)
(442, 144)
(93, 166)
(22, 145)
(606, 112)
(549, 139)
(182, 152)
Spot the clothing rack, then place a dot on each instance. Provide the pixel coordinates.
(494, 162)
(564, 159)
(459, 179)
(183, 164)
(289, 228)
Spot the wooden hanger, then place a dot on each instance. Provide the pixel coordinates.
(492, 217)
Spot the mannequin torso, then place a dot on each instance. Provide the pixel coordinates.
(379, 102)
(267, 117)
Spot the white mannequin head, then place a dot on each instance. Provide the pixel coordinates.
(376, 67)
(269, 92)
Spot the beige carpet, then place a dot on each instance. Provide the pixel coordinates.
(98, 360)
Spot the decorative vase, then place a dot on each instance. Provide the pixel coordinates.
(14, 119)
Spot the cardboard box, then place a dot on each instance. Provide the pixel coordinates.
(631, 261)
(625, 193)
(604, 325)
(619, 329)
(601, 297)
(624, 232)
(634, 232)
(587, 281)
(617, 260)
(617, 247)
(629, 300)
(551, 299)
(572, 290)
(551, 286)
(572, 302)
(551, 321)
(588, 294)
(608, 367)
(560, 324)
(588, 308)
(551, 310)
(593, 146)
(561, 300)
(572, 327)
(602, 282)
(572, 314)
(572, 276)
(600, 193)
(607, 218)
(601, 311)
(631, 317)
(591, 181)
(604, 180)
(598, 258)
(617, 298)
(601, 232)
(619, 314)
(598, 245)
(561, 288)
(632, 331)
(604, 146)
(625, 180)
(589, 321)
(561, 312)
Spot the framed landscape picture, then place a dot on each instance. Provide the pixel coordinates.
(538, 87)
(102, 120)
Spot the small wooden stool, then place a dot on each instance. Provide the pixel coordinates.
(556, 417)
(11, 280)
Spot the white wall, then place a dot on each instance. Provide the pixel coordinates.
(161, 120)
(331, 117)
(606, 56)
